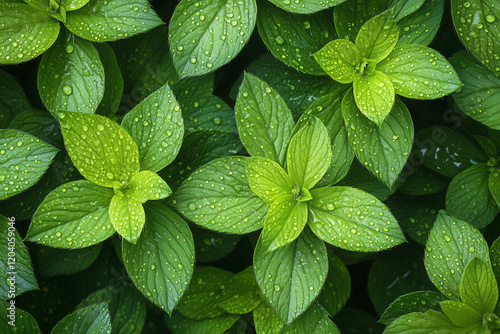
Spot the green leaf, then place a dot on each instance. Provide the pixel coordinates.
(102, 21)
(306, 6)
(377, 37)
(468, 197)
(71, 76)
(419, 72)
(24, 322)
(33, 32)
(419, 180)
(204, 293)
(403, 8)
(204, 36)
(292, 38)
(265, 123)
(241, 294)
(495, 258)
(90, 319)
(494, 185)
(38, 123)
(211, 246)
(446, 151)
(157, 128)
(179, 324)
(309, 154)
(284, 275)
(419, 301)
(429, 322)
(313, 320)
(452, 244)
(266, 320)
(284, 222)
(23, 160)
(146, 186)
(478, 98)
(340, 59)
(217, 196)
(74, 215)
(478, 287)
(103, 151)
(374, 95)
(382, 150)
(421, 26)
(352, 219)
(469, 18)
(69, 5)
(461, 314)
(337, 287)
(15, 263)
(127, 215)
(161, 262)
(12, 98)
(357, 321)
(351, 15)
(113, 82)
(264, 175)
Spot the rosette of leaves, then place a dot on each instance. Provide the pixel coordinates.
(119, 164)
(30, 28)
(467, 282)
(242, 194)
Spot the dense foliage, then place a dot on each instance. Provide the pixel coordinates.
(250, 166)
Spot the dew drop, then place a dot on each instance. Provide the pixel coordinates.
(109, 175)
(490, 18)
(180, 266)
(58, 234)
(217, 120)
(192, 206)
(279, 40)
(100, 127)
(67, 90)
(192, 60)
(69, 48)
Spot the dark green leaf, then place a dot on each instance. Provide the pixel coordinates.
(419, 301)
(494, 185)
(113, 83)
(267, 179)
(102, 21)
(103, 151)
(74, 215)
(38, 123)
(161, 262)
(284, 274)
(179, 324)
(71, 75)
(337, 287)
(241, 294)
(23, 160)
(421, 26)
(265, 123)
(478, 287)
(23, 323)
(340, 59)
(33, 32)
(461, 314)
(70, 5)
(382, 150)
(157, 128)
(356, 321)
(403, 8)
(204, 36)
(90, 319)
(452, 244)
(292, 38)
(419, 180)
(210, 245)
(266, 320)
(351, 15)
(313, 320)
(217, 196)
(377, 37)
(305, 6)
(12, 98)
(469, 18)
(495, 258)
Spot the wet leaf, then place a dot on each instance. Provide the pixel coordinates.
(179, 324)
(267, 179)
(337, 287)
(419, 301)
(421, 26)
(40, 124)
(161, 262)
(460, 314)
(12, 98)
(91, 319)
(241, 294)
(211, 246)
(340, 59)
(74, 215)
(70, 5)
(113, 82)
(23, 160)
(377, 37)
(24, 321)
(71, 75)
(266, 320)
(305, 6)
(314, 320)
(494, 185)
(478, 287)
(146, 186)
(127, 215)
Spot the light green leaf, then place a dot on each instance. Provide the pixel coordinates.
(267, 179)
(156, 126)
(421, 26)
(74, 215)
(292, 38)
(314, 320)
(377, 37)
(24, 322)
(494, 185)
(284, 275)
(478, 287)
(241, 294)
(468, 197)
(204, 36)
(478, 99)
(419, 72)
(23, 160)
(71, 75)
(90, 319)
(460, 314)
(382, 150)
(352, 219)
(264, 121)
(217, 196)
(113, 82)
(451, 245)
(146, 186)
(337, 287)
(204, 293)
(13, 101)
(284, 222)
(34, 30)
(266, 320)
(15, 263)
(309, 154)
(102, 21)
(306, 6)
(69, 5)
(340, 59)
(101, 150)
(161, 262)
(477, 23)
(374, 95)
(179, 324)
(127, 215)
